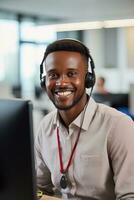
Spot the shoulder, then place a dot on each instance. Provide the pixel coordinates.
(105, 116)
(109, 113)
(120, 126)
(118, 123)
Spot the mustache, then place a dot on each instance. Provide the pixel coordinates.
(63, 88)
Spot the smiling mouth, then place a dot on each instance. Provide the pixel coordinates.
(63, 93)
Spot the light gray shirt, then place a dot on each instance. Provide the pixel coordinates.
(103, 163)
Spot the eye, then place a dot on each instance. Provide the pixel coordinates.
(72, 74)
(52, 75)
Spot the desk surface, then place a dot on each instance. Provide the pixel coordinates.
(45, 197)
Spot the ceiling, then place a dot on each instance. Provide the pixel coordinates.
(71, 10)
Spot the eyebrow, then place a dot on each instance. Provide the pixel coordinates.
(53, 70)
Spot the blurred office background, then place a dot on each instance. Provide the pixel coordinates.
(28, 26)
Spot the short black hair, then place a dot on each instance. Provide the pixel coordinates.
(68, 44)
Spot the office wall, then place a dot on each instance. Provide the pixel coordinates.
(113, 53)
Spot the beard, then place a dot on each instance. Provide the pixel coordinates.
(76, 101)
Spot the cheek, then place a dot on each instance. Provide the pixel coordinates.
(80, 82)
(50, 86)
(49, 83)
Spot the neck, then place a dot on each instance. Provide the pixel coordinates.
(70, 115)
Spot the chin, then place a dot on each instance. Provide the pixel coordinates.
(63, 107)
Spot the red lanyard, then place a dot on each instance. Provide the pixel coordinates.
(62, 170)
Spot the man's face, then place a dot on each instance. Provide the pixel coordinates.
(65, 78)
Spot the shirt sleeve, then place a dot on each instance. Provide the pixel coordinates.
(43, 175)
(121, 153)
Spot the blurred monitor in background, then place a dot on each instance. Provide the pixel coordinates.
(17, 91)
(120, 101)
(100, 86)
(113, 100)
(38, 92)
(41, 101)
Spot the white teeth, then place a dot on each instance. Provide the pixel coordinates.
(64, 93)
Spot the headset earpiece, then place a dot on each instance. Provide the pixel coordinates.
(89, 80)
(90, 76)
(42, 78)
(43, 82)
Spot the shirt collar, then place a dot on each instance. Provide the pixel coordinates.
(56, 119)
(89, 113)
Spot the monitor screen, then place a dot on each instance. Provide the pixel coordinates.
(17, 179)
(114, 100)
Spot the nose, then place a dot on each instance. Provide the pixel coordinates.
(62, 80)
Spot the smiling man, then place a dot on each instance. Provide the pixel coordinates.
(83, 149)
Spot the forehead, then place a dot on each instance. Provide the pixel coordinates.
(64, 58)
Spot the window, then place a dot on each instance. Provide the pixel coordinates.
(33, 42)
(8, 51)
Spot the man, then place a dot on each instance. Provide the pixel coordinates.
(83, 149)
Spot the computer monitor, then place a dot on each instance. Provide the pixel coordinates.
(117, 100)
(17, 172)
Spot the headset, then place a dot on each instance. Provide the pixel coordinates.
(90, 76)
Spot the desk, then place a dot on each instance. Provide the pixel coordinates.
(45, 197)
